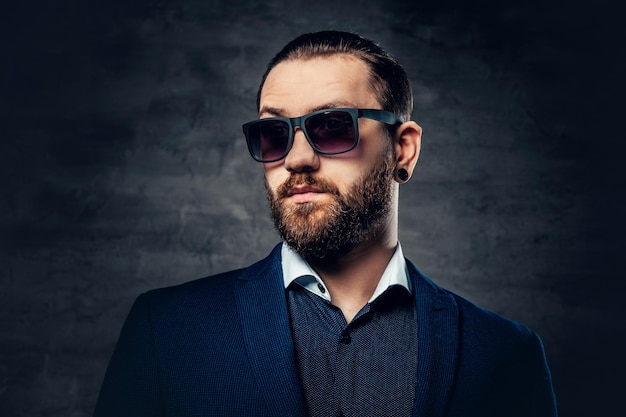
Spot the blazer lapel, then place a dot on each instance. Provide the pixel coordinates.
(437, 345)
(264, 319)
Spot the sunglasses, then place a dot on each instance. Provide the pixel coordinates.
(329, 132)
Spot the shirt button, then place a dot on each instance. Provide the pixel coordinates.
(346, 339)
(321, 288)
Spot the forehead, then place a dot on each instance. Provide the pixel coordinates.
(302, 85)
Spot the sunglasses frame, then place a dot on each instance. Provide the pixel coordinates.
(383, 116)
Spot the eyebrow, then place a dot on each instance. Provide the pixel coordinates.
(278, 112)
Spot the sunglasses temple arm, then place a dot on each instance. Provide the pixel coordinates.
(384, 116)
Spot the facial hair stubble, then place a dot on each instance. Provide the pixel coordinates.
(327, 230)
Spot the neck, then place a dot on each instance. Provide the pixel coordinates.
(352, 279)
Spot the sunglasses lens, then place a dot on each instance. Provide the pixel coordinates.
(269, 139)
(331, 131)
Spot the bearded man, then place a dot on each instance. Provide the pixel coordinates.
(335, 321)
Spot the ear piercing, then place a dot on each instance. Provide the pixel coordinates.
(403, 174)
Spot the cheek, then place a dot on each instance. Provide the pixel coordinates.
(274, 178)
(344, 178)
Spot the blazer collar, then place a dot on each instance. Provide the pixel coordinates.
(262, 308)
(437, 345)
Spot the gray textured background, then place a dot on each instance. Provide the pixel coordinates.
(123, 169)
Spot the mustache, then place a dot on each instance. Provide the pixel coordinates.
(299, 179)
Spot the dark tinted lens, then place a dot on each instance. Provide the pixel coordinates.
(331, 131)
(269, 139)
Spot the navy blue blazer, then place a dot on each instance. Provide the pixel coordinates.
(222, 346)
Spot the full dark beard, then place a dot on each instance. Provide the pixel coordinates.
(330, 229)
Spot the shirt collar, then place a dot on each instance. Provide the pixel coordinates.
(296, 269)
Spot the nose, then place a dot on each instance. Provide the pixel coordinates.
(301, 157)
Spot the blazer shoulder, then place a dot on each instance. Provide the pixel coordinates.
(472, 317)
(509, 356)
(218, 281)
(213, 287)
(481, 318)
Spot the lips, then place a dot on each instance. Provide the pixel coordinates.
(303, 190)
(301, 187)
(303, 194)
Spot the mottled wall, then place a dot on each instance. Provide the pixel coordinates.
(123, 168)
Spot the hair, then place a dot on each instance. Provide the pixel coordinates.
(388, 78)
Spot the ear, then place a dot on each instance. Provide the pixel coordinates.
(407, 142)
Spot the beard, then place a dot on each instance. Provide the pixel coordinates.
(330, 229)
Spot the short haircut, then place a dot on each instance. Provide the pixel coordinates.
(388, 78)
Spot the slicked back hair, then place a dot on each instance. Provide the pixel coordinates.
(388, 79)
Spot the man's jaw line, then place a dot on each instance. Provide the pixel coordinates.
(378, 241)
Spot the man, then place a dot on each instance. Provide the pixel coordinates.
(335, 321)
